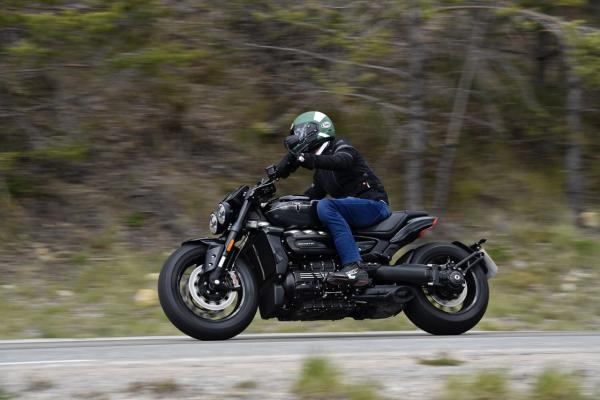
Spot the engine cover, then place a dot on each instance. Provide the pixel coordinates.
(310, 242)
(309, 297)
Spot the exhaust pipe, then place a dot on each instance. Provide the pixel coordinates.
(386, 294)
(415, 274)
(421, 274)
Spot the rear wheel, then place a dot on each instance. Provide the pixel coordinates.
(442, 313)
(198, 311)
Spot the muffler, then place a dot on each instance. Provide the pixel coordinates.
(386, 294)
(419, 274)
(416, 274)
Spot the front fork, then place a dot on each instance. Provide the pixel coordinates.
(222, 252)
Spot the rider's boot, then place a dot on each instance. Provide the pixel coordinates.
(351, 274)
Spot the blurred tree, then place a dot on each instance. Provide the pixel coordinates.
(416, 134)
(427, 88)
(573, 159)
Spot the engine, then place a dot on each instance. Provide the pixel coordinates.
(311, 297)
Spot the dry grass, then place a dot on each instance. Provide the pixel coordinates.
(441, 360)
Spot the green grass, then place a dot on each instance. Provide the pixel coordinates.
(101, 301)
(441, 360)
(246, 385)
(320, 379)
(488, 385)
(4, 395)
(547, 281)
(135, 219)
(158, 388)
(550, 384)
(556, 385)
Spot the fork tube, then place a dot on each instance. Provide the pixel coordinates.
(234, 232)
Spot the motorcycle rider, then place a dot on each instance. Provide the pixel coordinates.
(358, 198)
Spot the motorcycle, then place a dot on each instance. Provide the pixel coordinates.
(273, 254)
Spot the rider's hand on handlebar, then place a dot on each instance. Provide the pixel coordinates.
(287, 165)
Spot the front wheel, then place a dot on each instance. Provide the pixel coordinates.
(194, 308)
(438, 312)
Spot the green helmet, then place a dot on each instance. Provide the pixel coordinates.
(309, 130)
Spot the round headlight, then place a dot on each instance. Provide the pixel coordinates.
(213, 224)
(222, 211)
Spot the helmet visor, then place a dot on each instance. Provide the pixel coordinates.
(302, 131)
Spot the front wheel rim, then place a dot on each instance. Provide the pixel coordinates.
(210, 306)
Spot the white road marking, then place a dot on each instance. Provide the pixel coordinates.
(43, 362)
(303, 335)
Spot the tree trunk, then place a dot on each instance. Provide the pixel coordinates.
(416, 125)
(573, 162)
(461, 99)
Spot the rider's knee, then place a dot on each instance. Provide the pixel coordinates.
(324, 208)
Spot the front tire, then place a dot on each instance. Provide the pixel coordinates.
(430, 312)
(187, 315)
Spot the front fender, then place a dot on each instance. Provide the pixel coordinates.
(214, 250)
(205, 241)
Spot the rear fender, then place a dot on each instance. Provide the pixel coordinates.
(412, 229)
(488, 265)
(408, 257)
(408, 234)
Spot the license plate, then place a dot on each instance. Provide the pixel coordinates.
(492, 268)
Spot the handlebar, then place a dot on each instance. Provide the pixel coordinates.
(271, 171)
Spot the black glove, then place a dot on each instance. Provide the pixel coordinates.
(307, 160)
(287, 165)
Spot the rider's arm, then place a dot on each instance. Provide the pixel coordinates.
(287, 165)
(340, 160)
(315, 191)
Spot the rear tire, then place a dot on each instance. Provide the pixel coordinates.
(421, 310)
(184, 318)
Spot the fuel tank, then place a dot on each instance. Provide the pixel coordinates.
(292, 212)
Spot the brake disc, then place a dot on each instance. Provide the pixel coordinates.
(197, 292)
(450, 302)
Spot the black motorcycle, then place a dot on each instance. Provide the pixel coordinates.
(273, 254)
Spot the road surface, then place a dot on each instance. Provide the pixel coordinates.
(124, 368)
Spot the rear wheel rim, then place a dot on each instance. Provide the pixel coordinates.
(464, 301)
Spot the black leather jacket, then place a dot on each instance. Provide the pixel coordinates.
(340, 171)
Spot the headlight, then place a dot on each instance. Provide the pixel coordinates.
(221, 213)
(213, 224)
(224, 213)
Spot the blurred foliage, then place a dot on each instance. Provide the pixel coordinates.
(550, 384)
(553, 384)
(122, 122)
(320, 379)
(486, 385)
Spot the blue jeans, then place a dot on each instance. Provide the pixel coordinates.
(338, 215)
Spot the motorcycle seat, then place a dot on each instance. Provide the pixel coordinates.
(389, 226)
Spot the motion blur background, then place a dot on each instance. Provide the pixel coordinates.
(123, 123)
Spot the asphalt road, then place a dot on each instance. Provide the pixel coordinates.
(109, 366)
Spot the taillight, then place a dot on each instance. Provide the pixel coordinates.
(422, 232)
